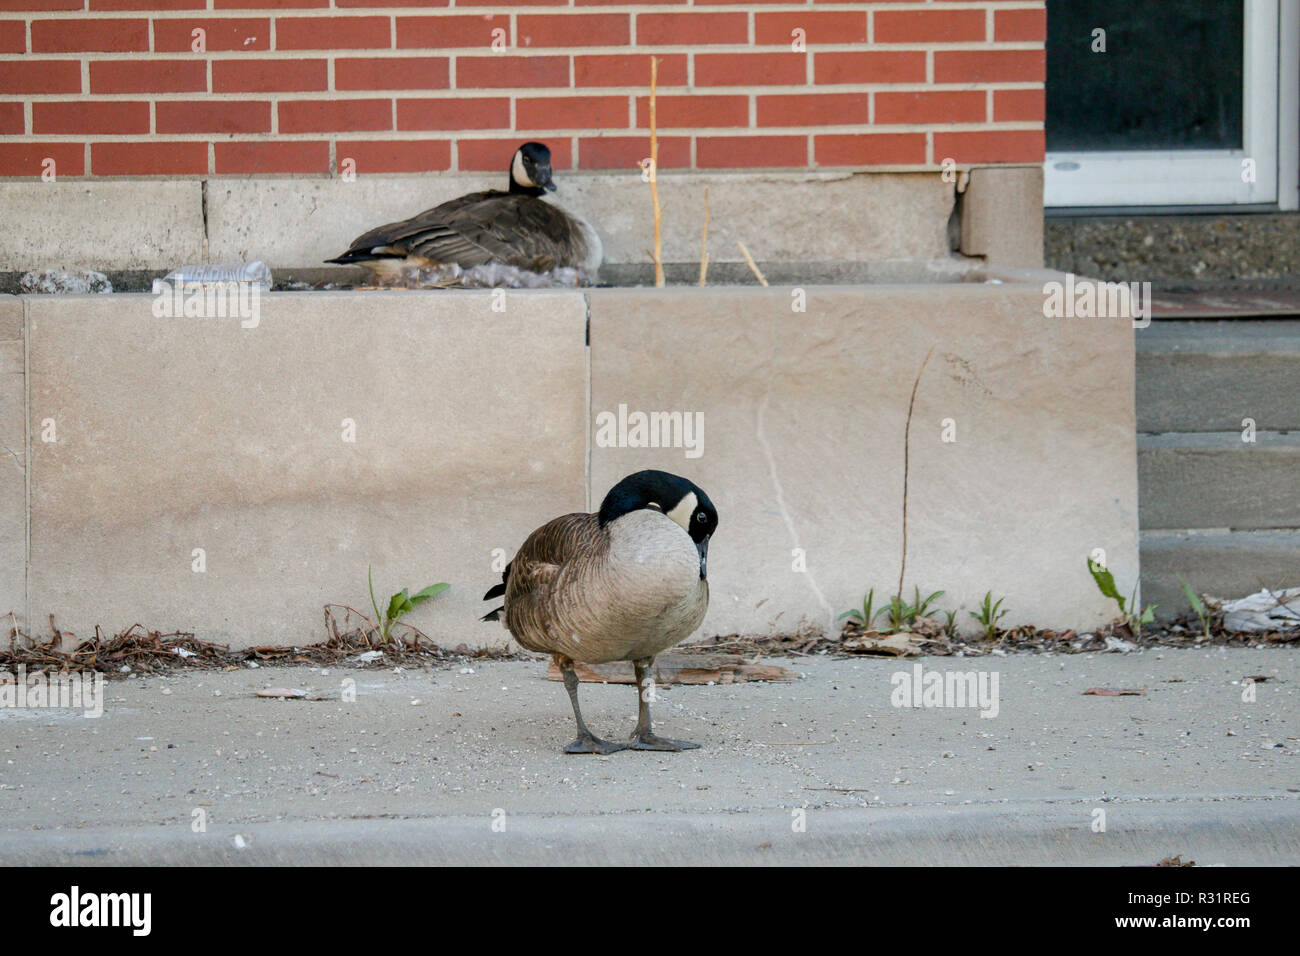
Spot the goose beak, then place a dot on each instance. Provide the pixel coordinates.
(544, 178)
(703, 548)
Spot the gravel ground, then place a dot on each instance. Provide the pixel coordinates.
(424, 761)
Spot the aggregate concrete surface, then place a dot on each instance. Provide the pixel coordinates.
(463, 764)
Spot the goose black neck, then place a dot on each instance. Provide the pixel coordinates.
(520, 190)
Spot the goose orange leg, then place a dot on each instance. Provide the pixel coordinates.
(642, 737)
(586, 742)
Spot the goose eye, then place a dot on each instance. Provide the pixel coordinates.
(701, 517)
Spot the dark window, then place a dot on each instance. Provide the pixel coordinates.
(1170, 77)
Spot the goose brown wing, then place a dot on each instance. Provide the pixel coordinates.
(563, 545)
(549, 548)
(399, 237)
(517, 230)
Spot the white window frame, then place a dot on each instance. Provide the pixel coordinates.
(1203, 176)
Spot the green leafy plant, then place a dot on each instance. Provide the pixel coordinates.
(399, 604)
(989, 614)
(1198, 606)
(950, 623)
(865, 615)
(1133, 617)
(901, 616)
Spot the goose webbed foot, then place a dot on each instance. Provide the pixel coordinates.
(643, 738)
(586, 742)
(591, 744)
(649, 741)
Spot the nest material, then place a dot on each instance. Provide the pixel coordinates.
(138, 650)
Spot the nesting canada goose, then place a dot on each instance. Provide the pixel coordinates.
(619, 585)
(516, 228)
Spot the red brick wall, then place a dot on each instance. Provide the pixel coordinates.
(109, 88)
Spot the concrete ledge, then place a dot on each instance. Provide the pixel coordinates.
(1226, 564)
(1216, 480)
(1002, 216)
(804, 417)
(1252, 369)
(294, 224)
(1257, 831)
(177, 434)
(473, 427)
(154, 224)
(779, 216)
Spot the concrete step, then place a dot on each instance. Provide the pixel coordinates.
(1216, 480)
(1226, 565)
(1207, 376)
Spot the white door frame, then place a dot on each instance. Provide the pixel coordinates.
(1206, 176)
(1288, 106)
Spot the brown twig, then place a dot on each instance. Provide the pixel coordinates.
(797, 743)
(364, 633)
(704, 241)
(753, 266)
(654, 175)
(907, 447)
(149, 651)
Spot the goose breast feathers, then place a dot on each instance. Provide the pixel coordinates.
(619, 592)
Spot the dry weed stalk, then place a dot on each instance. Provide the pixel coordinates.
(907, 446)
(654, 175)
(753, 266)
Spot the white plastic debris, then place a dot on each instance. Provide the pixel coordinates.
(258, 273)
(185, 652)
(1263, 611)
(240, 842)
(369, 656)
(54, 282)
(292, 692)
(1116, 644)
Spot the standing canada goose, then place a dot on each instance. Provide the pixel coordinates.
(619, 585)
(516, 228)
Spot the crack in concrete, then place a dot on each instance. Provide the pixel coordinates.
(17, 461)
(760, 434)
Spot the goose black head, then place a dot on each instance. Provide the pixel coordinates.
(530, 170)
(679, 498)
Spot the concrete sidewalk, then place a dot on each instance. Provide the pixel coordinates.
(422, 764)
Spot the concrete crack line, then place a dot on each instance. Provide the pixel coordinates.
(761, 435)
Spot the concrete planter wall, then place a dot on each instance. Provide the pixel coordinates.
(473, 425)
(892, 225)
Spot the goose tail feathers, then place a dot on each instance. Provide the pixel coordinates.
(496, 591)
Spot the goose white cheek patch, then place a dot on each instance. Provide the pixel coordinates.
(518, 172)
(685, 508)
